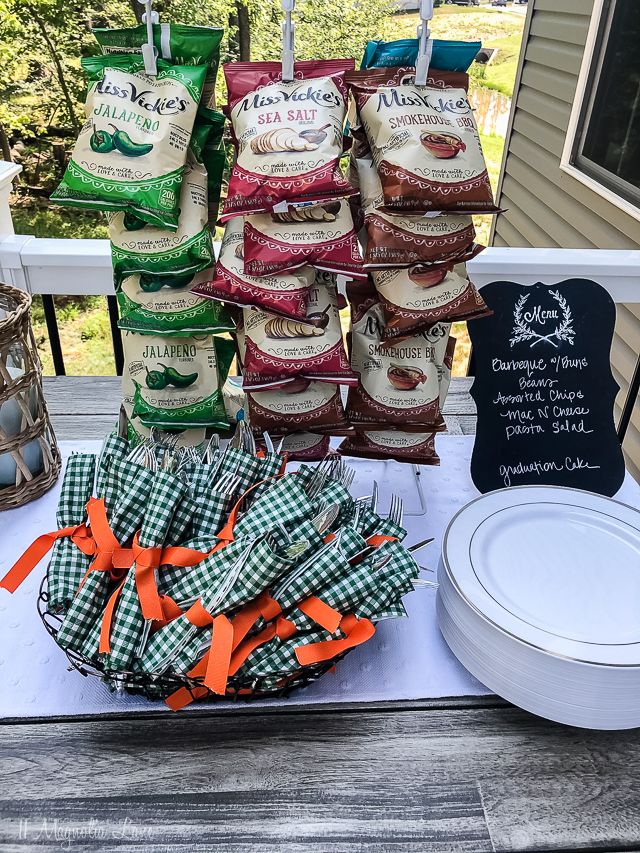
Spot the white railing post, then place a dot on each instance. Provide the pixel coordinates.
(8, 172)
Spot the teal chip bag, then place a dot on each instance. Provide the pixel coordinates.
(446, 56)
(179, 44)
(132, 148)
(166, 305)
(176, 382)
(137, 247)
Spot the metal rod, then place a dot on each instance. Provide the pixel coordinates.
(632, 396)
(116, 335)
(54, 334)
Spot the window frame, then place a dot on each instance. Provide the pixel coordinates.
(588, 78)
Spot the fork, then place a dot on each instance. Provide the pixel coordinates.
(396, 510)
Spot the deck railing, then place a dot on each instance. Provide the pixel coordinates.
(62, 267)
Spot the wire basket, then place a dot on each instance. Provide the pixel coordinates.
(29, 454)
(160, 685)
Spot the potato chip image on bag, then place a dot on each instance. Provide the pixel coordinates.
(288, 135)
(399, 381)
(139, 247)
(323, 235)
(418, 297)
(424, 140)
(285, 294)
(278, 350)
(131, 150)
(399, 241)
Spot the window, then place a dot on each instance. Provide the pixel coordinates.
(604, 134)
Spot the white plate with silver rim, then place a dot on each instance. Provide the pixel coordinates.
(556, 568)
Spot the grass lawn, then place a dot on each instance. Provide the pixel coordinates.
(502, 30)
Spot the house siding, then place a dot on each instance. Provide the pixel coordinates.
(544, 206)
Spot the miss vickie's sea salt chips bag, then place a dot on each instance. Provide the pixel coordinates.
(300, 405)
(132, 149)
(288, 135)
(177, 381)
(278, 350)
(424, 141)
(399, 383)
(283, 293)
(323, 235)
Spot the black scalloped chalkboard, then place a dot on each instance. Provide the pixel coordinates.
(544, 388)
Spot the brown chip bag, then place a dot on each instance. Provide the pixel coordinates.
(399, 385)
(323, 235)
(284, 293)
(424, 140)
(396, 241)
(300, 405)
(418, 297)
(305, 447)
(278, 350)
(416, 447)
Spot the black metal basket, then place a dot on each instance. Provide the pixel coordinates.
(159, 686)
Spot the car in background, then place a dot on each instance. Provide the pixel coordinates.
(498, 2)
(463, 2)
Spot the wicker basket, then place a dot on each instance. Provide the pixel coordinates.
(29, 455)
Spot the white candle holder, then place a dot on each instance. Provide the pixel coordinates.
(29, 454)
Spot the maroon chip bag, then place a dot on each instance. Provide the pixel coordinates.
(278, 350)
(322, 235)
(299, 405)
(285, 293)
(288, 135)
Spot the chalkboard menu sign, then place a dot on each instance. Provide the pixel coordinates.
(544, 388)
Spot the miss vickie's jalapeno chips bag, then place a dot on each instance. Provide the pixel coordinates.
(170, 306)
(288, 135)
(180, 44)
(132, 149)
(137, 247)
(424, 140)
(177, 381)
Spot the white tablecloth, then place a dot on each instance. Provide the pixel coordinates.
(406, 659)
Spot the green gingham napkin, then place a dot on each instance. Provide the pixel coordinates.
(270, 467)
(283, 502)
(371, 523)
(115, 448)
(243, 464)
(277, 659)
(68, 564)
(134, 486)
(128, 624)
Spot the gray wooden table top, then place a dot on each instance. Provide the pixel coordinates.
(452, 775)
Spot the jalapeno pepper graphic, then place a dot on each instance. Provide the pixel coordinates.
(125, 145)
(155, 380)
(177, 379)
(101, 141)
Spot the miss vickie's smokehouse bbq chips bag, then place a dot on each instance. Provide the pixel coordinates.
(396, 241)
(418, 297)
(399, 382)
(132, 149)
(323, 235)
(279, 350)
(423, 140)
(289, 136)
(284, 293)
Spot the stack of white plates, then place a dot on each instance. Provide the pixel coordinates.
(539, 598)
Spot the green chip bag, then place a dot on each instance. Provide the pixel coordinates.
(215, 162)
(207, 132)
(137, 247)
(160, 305)
(178, 43)
(177, 381)
(132, 149)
